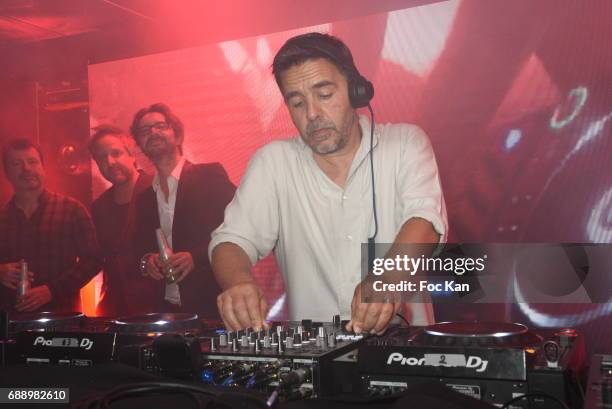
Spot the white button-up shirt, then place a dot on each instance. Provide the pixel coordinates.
(165, 209)
(286, 203)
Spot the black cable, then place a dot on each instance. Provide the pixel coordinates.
(403, 318)
(104, 401)
(372, 239)
(535, 395)
(580, 388)
(110, 397)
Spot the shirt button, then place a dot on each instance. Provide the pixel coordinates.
(349, 237)
(344, 197)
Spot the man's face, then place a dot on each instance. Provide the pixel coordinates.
(316, 95)
(24, 169)
(114, 160)
(156, 137)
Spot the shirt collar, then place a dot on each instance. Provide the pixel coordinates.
(43, 198)
(364, 146)
(176, 173)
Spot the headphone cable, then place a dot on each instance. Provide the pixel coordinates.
(372, 239)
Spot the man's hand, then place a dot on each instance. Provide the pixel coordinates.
(10, 274)
(154, 267)
(243, 306)
(34, 298)
(371, 317)
(181, 263)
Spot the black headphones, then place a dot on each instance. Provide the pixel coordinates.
(360, 90)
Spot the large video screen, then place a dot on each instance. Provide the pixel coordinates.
(516, 98)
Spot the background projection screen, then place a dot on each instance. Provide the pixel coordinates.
(515, 96)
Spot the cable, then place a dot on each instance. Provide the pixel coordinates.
(403, 318)
(111, 397)
(535, 395)
(105, 401)
(372, 239)
(580, 388)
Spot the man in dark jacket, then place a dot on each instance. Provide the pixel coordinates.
(187, 202)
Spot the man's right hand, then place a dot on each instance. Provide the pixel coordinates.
(10, 274)
(243, 306)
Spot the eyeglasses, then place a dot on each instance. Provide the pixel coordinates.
(157, 126)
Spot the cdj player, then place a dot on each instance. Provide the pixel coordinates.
(490, 361)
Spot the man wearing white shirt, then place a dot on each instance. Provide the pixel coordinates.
(186, 201)
(310, 198)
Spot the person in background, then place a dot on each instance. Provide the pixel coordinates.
(52, 233)
(187, 202)
(125, 291)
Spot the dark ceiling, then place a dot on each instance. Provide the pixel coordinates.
(40, 38)
(27, 21)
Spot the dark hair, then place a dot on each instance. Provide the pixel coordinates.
(19, 144)
(311, 46)
(163, 109)
(103, 130)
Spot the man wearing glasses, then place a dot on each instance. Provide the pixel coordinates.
(186, 201)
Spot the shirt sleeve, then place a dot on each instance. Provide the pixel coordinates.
(418, 181)
(251, 220)
(89, 260)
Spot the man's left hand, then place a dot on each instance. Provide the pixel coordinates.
(182, 264)
(34, 298)
(370, 317)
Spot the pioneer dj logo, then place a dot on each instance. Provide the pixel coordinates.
(447, 360)
(84, 343)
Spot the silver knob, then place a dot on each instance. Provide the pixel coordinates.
(213, 348)
(281, 347)
(244, 341)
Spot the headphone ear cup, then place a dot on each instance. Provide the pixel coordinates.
(361, 92)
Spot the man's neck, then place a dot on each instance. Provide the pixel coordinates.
(27, 201)
(338, 164)
(122, 194)
(166, 165)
